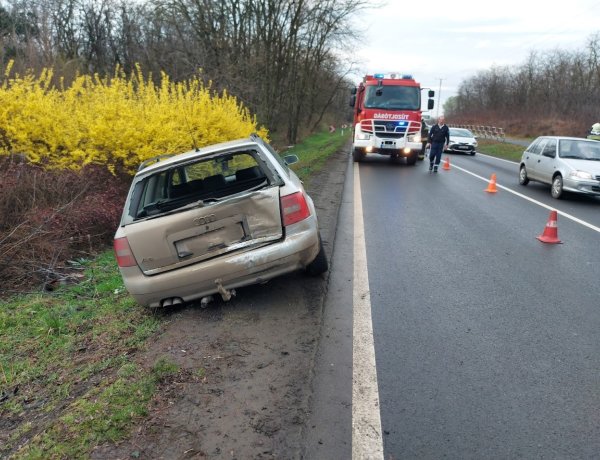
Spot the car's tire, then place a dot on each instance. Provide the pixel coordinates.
(473, 153)
(357, 155)
(557, 187)
(320, 264)
(412, 159)
(523, 179)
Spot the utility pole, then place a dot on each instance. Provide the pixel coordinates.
(437, 113)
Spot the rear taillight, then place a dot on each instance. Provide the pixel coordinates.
(294, 208)
(123, 252)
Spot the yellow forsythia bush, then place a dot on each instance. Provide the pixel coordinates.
(117, 122)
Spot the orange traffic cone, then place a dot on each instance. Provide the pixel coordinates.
(550, 234)
(446, 164)
(491, 188)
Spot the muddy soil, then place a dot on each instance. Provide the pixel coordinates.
(245, 365)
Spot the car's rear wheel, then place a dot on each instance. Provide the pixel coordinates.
(557, 187)
(523, 179)
(320, 264)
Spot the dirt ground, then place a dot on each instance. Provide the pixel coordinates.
(243, 387)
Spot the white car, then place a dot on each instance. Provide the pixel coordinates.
(568, 164)
(462, 140)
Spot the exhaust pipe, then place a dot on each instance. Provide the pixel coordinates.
(171, 301)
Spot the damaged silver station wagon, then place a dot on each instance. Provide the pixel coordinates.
(215, 219)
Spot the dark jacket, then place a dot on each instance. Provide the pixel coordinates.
(439, 134)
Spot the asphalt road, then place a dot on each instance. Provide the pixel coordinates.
(487, 341)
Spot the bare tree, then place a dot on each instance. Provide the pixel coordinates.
(554, 85)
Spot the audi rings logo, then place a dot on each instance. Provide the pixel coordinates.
(203, 220)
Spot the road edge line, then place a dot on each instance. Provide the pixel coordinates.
(367, 442)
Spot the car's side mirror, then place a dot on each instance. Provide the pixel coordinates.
(290, 159)
(430, 104)
(352, 101)
(431, 93)
(353, 91)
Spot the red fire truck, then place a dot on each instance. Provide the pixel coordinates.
(387, 117)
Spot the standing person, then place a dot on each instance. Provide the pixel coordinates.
(595, 132)
(424, 139)
(439, 138)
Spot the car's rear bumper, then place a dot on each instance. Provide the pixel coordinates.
(299, 247)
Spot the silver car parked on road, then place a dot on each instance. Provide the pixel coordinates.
(568, 164)
(462, 140)
(212, 220)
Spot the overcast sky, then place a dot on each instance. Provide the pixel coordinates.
(453, 40)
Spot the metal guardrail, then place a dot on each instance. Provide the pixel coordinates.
(487, 132)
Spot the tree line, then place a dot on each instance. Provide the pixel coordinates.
(281, 58)
(551, 85)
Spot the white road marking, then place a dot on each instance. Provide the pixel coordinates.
(367, 442)
(539, 203)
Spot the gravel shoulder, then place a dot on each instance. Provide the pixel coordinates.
(245, 366)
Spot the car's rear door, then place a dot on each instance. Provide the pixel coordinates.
(546, 165)
(531, 158)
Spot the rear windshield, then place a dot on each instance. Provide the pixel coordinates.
(196, 183)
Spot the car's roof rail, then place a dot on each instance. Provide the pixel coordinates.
(155, 159)
(256, 138)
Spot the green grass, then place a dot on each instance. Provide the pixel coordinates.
(314, 151)
(68, 378)
(68, 354)
(504, 150)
